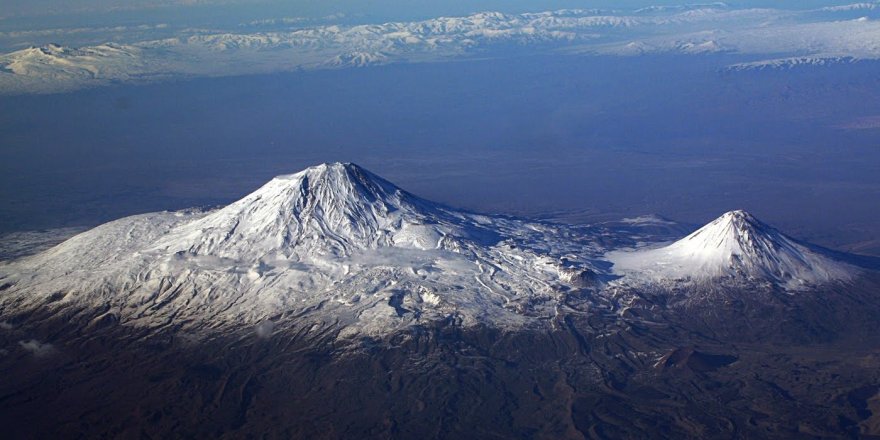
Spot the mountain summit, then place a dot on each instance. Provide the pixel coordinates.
(736, 245)
(332, 208)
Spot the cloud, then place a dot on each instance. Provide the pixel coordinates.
(37, 348)
(852, 7)
(864, 123)
(264, 329)
(48, 7)
(62, 32)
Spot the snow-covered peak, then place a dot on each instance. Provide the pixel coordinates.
(329, 209)
(335, 186)
(733, 233)
(331, 244)
(736, 245)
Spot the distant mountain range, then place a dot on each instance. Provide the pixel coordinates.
(763, 37)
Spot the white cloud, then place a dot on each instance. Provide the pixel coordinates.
(37, 348)
(863, 123)
(852, 7)
(62, 32)
(264, 329)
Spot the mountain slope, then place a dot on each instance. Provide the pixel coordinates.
(331, 244)
(327, 209)
(734, 246)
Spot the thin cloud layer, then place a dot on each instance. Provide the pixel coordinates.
(37, 348)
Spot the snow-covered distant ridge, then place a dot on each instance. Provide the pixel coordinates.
(696, 29)
(735, 246)
(794, 62)
(687, 7)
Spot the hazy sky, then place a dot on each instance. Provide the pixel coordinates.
(379, 9)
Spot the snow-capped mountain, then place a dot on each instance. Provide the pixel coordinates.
(735, 246)
(334, 243)
(328, 209)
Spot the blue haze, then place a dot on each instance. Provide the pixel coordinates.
(586, 139)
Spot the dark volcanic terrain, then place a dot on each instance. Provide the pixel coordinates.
(763, 374)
